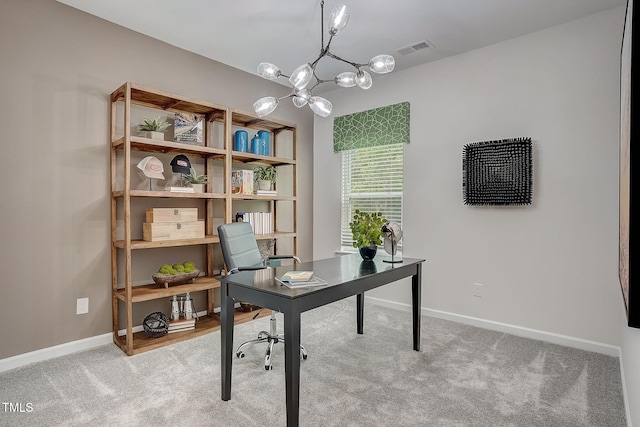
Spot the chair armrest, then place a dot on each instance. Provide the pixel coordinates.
(284, 257)
(257, 267)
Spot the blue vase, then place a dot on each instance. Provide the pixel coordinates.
(256, 145)
(241, 141)
(266, 141)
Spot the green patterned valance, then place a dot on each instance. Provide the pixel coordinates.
(371, 128)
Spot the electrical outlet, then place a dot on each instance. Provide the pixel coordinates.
(82, 306)
(477, 290)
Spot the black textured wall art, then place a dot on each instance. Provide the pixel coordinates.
(497, 172)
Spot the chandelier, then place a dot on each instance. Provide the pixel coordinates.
(305, 80)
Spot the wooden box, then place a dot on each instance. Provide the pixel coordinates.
(171, 214)
(161, 231)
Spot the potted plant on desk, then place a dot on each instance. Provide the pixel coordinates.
(367, 232)
(196, 181)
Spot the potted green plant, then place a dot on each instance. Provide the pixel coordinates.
(196, 181)
(265, 176)
(155, 128)
(366, 228)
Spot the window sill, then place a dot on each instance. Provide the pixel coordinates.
(346, 251)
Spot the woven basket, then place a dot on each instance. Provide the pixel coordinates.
(175, 279)
(156, 325)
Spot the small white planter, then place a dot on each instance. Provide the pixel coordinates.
(198, 188)
(155, 135)
(264, 185)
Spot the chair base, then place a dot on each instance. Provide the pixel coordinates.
(271, 338)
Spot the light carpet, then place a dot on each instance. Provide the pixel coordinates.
(463, 376)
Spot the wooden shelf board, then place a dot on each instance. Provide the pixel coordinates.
(247, 120)
(154, 291)
(144, 244)
(168, 194)
(242, 157)
(261, 197)
(204, 325)
(276, 235)
(149, 97)
(141, 143)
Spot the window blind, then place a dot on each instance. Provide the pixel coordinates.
(372, 180)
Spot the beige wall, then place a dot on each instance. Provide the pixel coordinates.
(58, 67)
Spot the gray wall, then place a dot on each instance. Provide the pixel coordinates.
(551, 266)
(59, 66)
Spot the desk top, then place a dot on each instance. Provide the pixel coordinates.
(336, 271)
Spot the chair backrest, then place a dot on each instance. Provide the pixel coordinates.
(239, 246)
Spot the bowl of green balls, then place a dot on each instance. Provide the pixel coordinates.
(176, 274)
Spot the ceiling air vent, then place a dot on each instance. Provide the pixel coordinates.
(421, 45)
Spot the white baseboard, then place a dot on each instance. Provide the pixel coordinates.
(564, 340)
(55, 351)
(67, 348)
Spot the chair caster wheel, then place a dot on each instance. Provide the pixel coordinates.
(240, 354)
(268, 368)
(304, 357)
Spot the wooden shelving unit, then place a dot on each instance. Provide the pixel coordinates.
(216, 149)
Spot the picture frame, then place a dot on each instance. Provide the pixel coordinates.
(629, 183)
(188, 128)
(498, 173)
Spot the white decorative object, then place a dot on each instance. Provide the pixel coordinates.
(392, 235)
(155, 135)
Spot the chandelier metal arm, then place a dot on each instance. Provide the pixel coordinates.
(322, 28)
(318, 82)
(323, 52)
(353, 64)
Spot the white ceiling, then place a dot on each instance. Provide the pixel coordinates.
(243, 33)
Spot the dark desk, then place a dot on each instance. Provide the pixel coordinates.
(346, 275)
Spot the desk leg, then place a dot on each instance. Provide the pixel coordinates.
(226, 334)
(416, 300)
(360, 318)
(292, 366)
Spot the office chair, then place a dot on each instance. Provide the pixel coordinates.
(240, 252)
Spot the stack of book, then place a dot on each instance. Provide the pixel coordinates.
(182, 189)
(242, 181)
(261, 222)
(300, 279)
(266, 192)
(181, 325)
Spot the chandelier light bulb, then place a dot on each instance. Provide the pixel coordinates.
(268, 71)
(265, 106)
(346, 79)
(320, 106)
(301, 77)
(364, 80)
(339, 19)
(382, 64)
(301, 98)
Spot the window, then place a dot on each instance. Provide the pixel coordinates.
(372, 180)
(371, 145)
